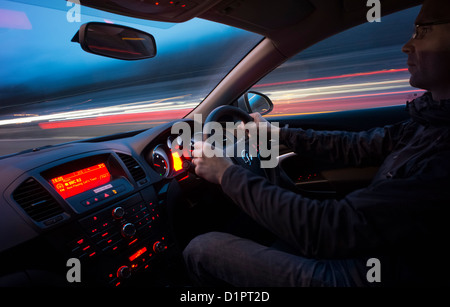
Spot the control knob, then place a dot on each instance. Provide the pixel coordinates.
(118, 213)
(123, 272)
(158, 247)
(128, 230)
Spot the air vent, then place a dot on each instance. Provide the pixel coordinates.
(135, 169)
(36, 201)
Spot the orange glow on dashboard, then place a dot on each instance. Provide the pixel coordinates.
(82, 180)
(177, 163)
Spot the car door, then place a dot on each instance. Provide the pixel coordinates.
(353, 81)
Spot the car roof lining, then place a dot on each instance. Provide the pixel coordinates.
(260, 16)
(257, 14)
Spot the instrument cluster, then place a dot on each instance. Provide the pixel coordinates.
(172, 157)
(171, 154)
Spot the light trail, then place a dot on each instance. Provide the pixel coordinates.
(300, 101)
(137, 107)
(343, 103)
(334, 77)
(353, 96)
(114, 119)
(287, 95)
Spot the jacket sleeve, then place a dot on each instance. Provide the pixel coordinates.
(351, 148)
(390, 214)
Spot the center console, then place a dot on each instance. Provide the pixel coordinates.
(123, 239)
(102, 210)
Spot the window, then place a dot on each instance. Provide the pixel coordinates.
(360, 68)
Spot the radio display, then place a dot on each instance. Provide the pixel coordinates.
(81, 180)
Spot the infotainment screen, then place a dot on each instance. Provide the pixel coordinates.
(81, 180)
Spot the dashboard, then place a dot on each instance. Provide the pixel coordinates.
(172, 155)
(101, 201)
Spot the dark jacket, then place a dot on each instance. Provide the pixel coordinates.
(402, 217)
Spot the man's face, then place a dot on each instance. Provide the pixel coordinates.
(429, 53)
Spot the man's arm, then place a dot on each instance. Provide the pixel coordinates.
(351, 148)
(390, 215)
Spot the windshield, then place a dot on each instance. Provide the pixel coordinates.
(51, 91)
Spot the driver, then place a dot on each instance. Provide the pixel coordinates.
(394, 232)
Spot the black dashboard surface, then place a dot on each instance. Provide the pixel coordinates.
(113, 220)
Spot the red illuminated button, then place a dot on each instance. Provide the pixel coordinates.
(123, 272)
(86, 203)
(128, 230)
(158, 247)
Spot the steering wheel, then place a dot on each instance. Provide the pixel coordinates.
(242, 157)
(197, 209)
(222, 111)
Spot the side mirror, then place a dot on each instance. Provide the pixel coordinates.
(115, 41)
(255, 102)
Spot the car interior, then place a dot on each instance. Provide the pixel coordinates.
(129, 226)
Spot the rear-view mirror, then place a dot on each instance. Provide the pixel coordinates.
(115, 41)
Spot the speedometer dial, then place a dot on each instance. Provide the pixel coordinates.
(160, 161)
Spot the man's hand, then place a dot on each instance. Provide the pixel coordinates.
(209, 163)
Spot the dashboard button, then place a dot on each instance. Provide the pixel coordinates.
(88, 202)
(159, 247)
(128, 230)
(118, 213)
(124, 272)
